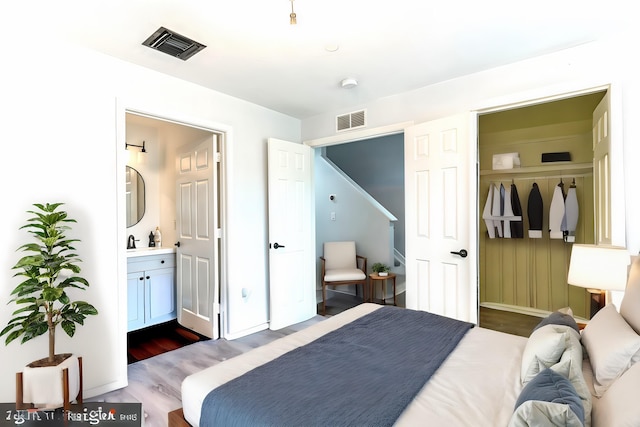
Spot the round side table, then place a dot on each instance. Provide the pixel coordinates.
(383, 281)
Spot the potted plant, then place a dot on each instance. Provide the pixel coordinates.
(50, 270)
(380, 269)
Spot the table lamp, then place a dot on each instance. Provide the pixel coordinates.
(600, 269)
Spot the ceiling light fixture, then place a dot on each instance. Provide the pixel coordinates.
(349, 83)
(292, 15)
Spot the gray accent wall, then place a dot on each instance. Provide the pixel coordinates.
(377, 165)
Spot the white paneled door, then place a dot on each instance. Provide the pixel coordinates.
(601, 170)
(441, 215)
(292, 294)
(197, 254)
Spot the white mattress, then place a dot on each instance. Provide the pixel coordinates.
(476, 386)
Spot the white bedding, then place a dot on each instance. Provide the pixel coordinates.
(476, 386)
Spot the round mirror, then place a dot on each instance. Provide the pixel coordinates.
(135, 196)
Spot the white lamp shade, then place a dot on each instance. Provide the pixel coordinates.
(599, 267)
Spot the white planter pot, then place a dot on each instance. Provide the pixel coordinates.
(42, 386)
(383, 273)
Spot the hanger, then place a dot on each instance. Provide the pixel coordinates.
(573, 183)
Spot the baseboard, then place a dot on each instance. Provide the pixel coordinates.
(529, 311)
(103, 389)
(246, 332)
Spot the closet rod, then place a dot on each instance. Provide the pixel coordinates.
(523, 178)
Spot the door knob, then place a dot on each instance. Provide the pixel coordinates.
(462, 252)
(177, 244)
(276, 245)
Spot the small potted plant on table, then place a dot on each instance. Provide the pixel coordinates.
(380, 269)
(50, 270)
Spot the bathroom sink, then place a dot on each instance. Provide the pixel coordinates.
(149, 251)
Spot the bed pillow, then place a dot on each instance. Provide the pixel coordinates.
(630, 305)
(619, 405)
(559, 318)
(548, 399)
(543, 349)
(613, 347)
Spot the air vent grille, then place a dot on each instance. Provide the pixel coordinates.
(173, 44)
(353, 120)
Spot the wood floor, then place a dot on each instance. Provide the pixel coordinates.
(159, 339)
(156, 380)
(170, 336)
(498, 320)
(506, 321)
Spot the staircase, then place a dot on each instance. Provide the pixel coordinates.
(353, 214)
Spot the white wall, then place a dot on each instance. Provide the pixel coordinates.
(158, 169)
(62, 115)
(609, 61)
(151, 169)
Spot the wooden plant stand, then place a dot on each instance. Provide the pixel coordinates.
(20, 404)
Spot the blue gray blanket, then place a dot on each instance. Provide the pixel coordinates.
(362, 374)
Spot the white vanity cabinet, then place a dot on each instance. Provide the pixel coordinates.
(151, 290)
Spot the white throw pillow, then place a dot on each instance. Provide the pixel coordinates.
(613, 347)
(544, 349)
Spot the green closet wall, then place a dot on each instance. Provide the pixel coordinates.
(532, 273)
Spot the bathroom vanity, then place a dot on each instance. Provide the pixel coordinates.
(151, 287)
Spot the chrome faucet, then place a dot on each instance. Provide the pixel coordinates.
(131, 242)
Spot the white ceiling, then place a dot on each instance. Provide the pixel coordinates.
(254, 53)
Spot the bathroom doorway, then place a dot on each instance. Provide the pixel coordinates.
(161, 139)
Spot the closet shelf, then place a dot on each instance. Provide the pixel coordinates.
(556, 168)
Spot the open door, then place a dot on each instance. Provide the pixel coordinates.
(197, 253)
(440, 198)
(601, 170)
(292, 294)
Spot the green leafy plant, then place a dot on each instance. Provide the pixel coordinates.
(50, 270)
(379, 267)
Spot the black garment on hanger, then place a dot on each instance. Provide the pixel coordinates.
(561, 185)
(534, 210)
(517, 229)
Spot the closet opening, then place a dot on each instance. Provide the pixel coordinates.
(536, 162)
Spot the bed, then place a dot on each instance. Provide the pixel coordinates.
(560, 374)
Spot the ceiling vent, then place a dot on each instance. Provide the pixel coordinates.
(173, 44)
(354, 120)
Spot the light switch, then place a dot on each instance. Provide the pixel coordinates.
(333, 216)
